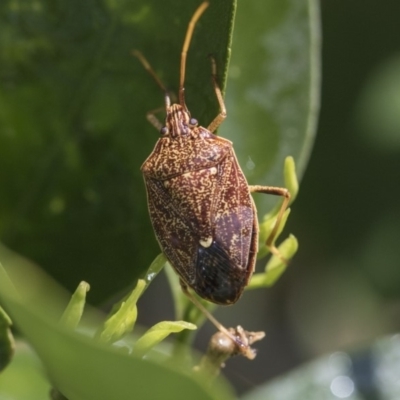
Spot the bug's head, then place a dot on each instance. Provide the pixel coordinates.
(178, 121)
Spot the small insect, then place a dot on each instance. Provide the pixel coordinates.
(199, 201)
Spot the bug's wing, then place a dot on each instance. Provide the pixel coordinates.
(176, 230)
(223, 269)
(234, 214)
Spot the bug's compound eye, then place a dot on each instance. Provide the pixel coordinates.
(164, 131)
(193, 122)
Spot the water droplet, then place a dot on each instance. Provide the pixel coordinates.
(250, 165)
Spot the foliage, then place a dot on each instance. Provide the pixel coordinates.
(73, 149)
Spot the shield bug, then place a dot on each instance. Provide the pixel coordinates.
(199, 201)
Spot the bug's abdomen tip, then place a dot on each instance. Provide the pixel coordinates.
(218, 279)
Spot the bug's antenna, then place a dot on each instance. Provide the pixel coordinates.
(149, 69)
(189, 33)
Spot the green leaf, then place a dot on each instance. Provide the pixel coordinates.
(269, 221)
(82, 368)
(290, 176)
(155, 267)
(180, 300)
(73, 313)
(184, 308)
(157, 333)
(7, 344)
(275, 266)
(123, 320)
(27, 368)
(273, 88)
(266, 227)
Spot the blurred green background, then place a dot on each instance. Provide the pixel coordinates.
(82, 212)
(343, 288)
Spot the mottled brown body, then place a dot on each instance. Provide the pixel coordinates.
(201, 209)
(199, 201)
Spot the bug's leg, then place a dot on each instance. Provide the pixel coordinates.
(217, 121)
(243, 348)
(151, 114)
(277, 191)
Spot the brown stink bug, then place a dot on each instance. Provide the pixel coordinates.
(199, 201)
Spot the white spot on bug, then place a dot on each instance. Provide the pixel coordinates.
(166, 184)
(206, 242)
(213, 171)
